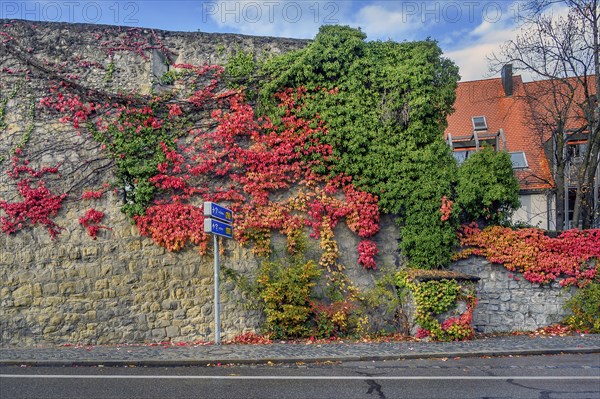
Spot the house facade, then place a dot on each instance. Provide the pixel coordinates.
(509, 114)
(495, 112)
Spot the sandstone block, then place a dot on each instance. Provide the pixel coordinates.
(195, 311)
(95, 295)
(159, 333)
(68, 287)
(123, 291)
(50, 329)
(22, 302)
(56, 320)
(188, 330)
(23, 291)
(172, 331)
(90, 252)
(6, 258)
(50, 289)
(101, 284)
(91, 315)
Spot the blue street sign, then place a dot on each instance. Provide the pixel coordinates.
(218, 228)
(218, 212)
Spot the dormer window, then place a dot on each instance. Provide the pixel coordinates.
(479, 123)
(518, 159)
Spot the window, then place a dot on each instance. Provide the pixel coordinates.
(479, 123)
(518, 159)
(576, 151)
(460, 156)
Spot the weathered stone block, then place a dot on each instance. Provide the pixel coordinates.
(6, 258)
(88, 252)
(23, 291)
(179, 314)
(159, 333)
(164, 321)
(207, 309)
(22, 302)
(101, 284)
(91, 315)
(68, 287)
(56, 319)
(50, 329)
(155, 307)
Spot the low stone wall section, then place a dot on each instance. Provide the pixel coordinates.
(508, 302)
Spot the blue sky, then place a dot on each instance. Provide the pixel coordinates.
(467, 30)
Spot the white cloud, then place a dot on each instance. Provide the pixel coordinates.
(381, 21)
(282, 18)
(470, 53)
(471, 57)
(302, 19)
(471, 61)
(487, 38)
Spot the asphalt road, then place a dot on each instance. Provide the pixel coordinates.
(543, 377)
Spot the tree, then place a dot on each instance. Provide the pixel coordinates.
(562, 51)
(487, 190)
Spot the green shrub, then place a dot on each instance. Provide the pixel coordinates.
(585, 306)
(426, 239)
(487, 190)
(285, 287)
(169, 77)
(381, 307)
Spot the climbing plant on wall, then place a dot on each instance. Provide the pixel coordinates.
(571, 258)
(384, 104)
(359, 130)
(39, 204)
(198, 141)
(436, 297)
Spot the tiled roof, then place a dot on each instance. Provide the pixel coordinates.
(509, 113)
(544, 93)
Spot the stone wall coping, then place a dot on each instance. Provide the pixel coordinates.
(437, 275)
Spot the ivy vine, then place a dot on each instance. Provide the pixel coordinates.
(435, 297)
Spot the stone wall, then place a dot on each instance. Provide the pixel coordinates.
(120, 287)
(507, 302)
(116, 289)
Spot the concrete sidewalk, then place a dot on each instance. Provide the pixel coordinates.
(202, 355)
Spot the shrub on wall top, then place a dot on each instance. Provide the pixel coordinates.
(487, 190)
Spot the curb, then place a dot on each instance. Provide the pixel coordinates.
(288, 360)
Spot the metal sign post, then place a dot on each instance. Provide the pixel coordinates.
(217, 296)
(218, 223)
